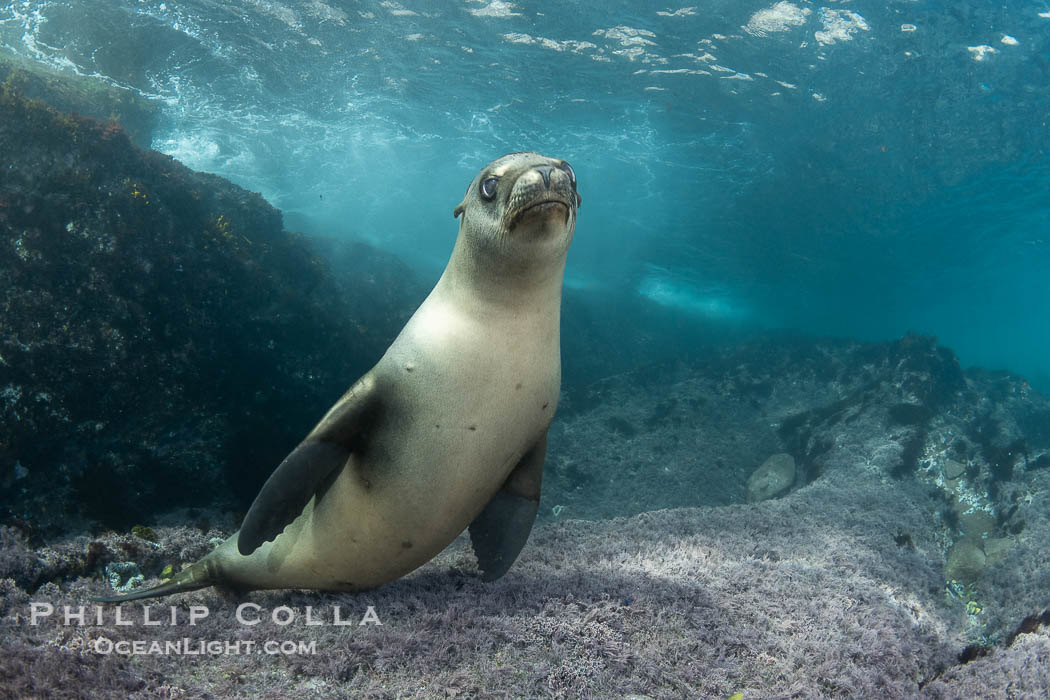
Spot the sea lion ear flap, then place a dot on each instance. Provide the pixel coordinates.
(459, 209)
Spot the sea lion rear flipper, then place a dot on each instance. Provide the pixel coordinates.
(296, 479)
(501, 530)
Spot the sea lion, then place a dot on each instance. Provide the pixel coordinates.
(447, 431)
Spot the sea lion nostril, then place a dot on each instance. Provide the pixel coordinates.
(545, 172)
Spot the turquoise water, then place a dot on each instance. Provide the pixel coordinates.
(850, 168)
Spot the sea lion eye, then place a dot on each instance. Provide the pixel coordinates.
(488, 187)
(572, 173)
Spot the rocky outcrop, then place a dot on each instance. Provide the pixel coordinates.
(163, 340)
(691, 434)
(772, 479)
(134, 114)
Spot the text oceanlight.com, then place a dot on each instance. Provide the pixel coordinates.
(200, 647)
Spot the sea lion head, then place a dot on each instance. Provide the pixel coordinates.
(521, 207)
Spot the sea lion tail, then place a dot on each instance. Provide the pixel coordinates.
(200, 575)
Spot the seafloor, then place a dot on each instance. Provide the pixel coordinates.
(163, 336)
(811, 595)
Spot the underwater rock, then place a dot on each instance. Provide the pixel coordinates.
(124, 576)
(995, 549)
(965, 562)
(953, 470)
(144, 532)
(701, 423)
(970, 556)
(17, 561)
(772, 479)
(165, 342)
(121, 109)
(976, 524)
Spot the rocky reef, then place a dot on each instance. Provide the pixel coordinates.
(164, 341)
(696, 432)
(135, 115)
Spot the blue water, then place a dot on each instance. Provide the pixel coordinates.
(859, 168)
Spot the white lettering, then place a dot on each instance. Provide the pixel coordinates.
(370, 617)
(38, 610)
(145, 618)
(197, 612)
(78, 616)
(240, 613)
(338, 620)
(282, 615)
(119, 619)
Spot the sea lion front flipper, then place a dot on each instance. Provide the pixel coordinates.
(501, 530)
(297, 478)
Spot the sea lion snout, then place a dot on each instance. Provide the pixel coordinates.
(545, 190)
(547, 177)
(561, 175)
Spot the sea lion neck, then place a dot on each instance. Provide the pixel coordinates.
(474, 277)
